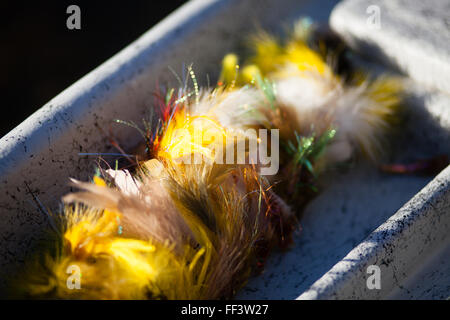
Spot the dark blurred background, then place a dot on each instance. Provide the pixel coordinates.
(40, 57)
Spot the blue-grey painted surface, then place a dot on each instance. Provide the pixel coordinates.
(330, 252)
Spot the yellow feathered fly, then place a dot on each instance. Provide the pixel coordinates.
(171, 230)
(325, 117)
(310, 97)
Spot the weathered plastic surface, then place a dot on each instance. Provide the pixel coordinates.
(412, 35)
(38, 156)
